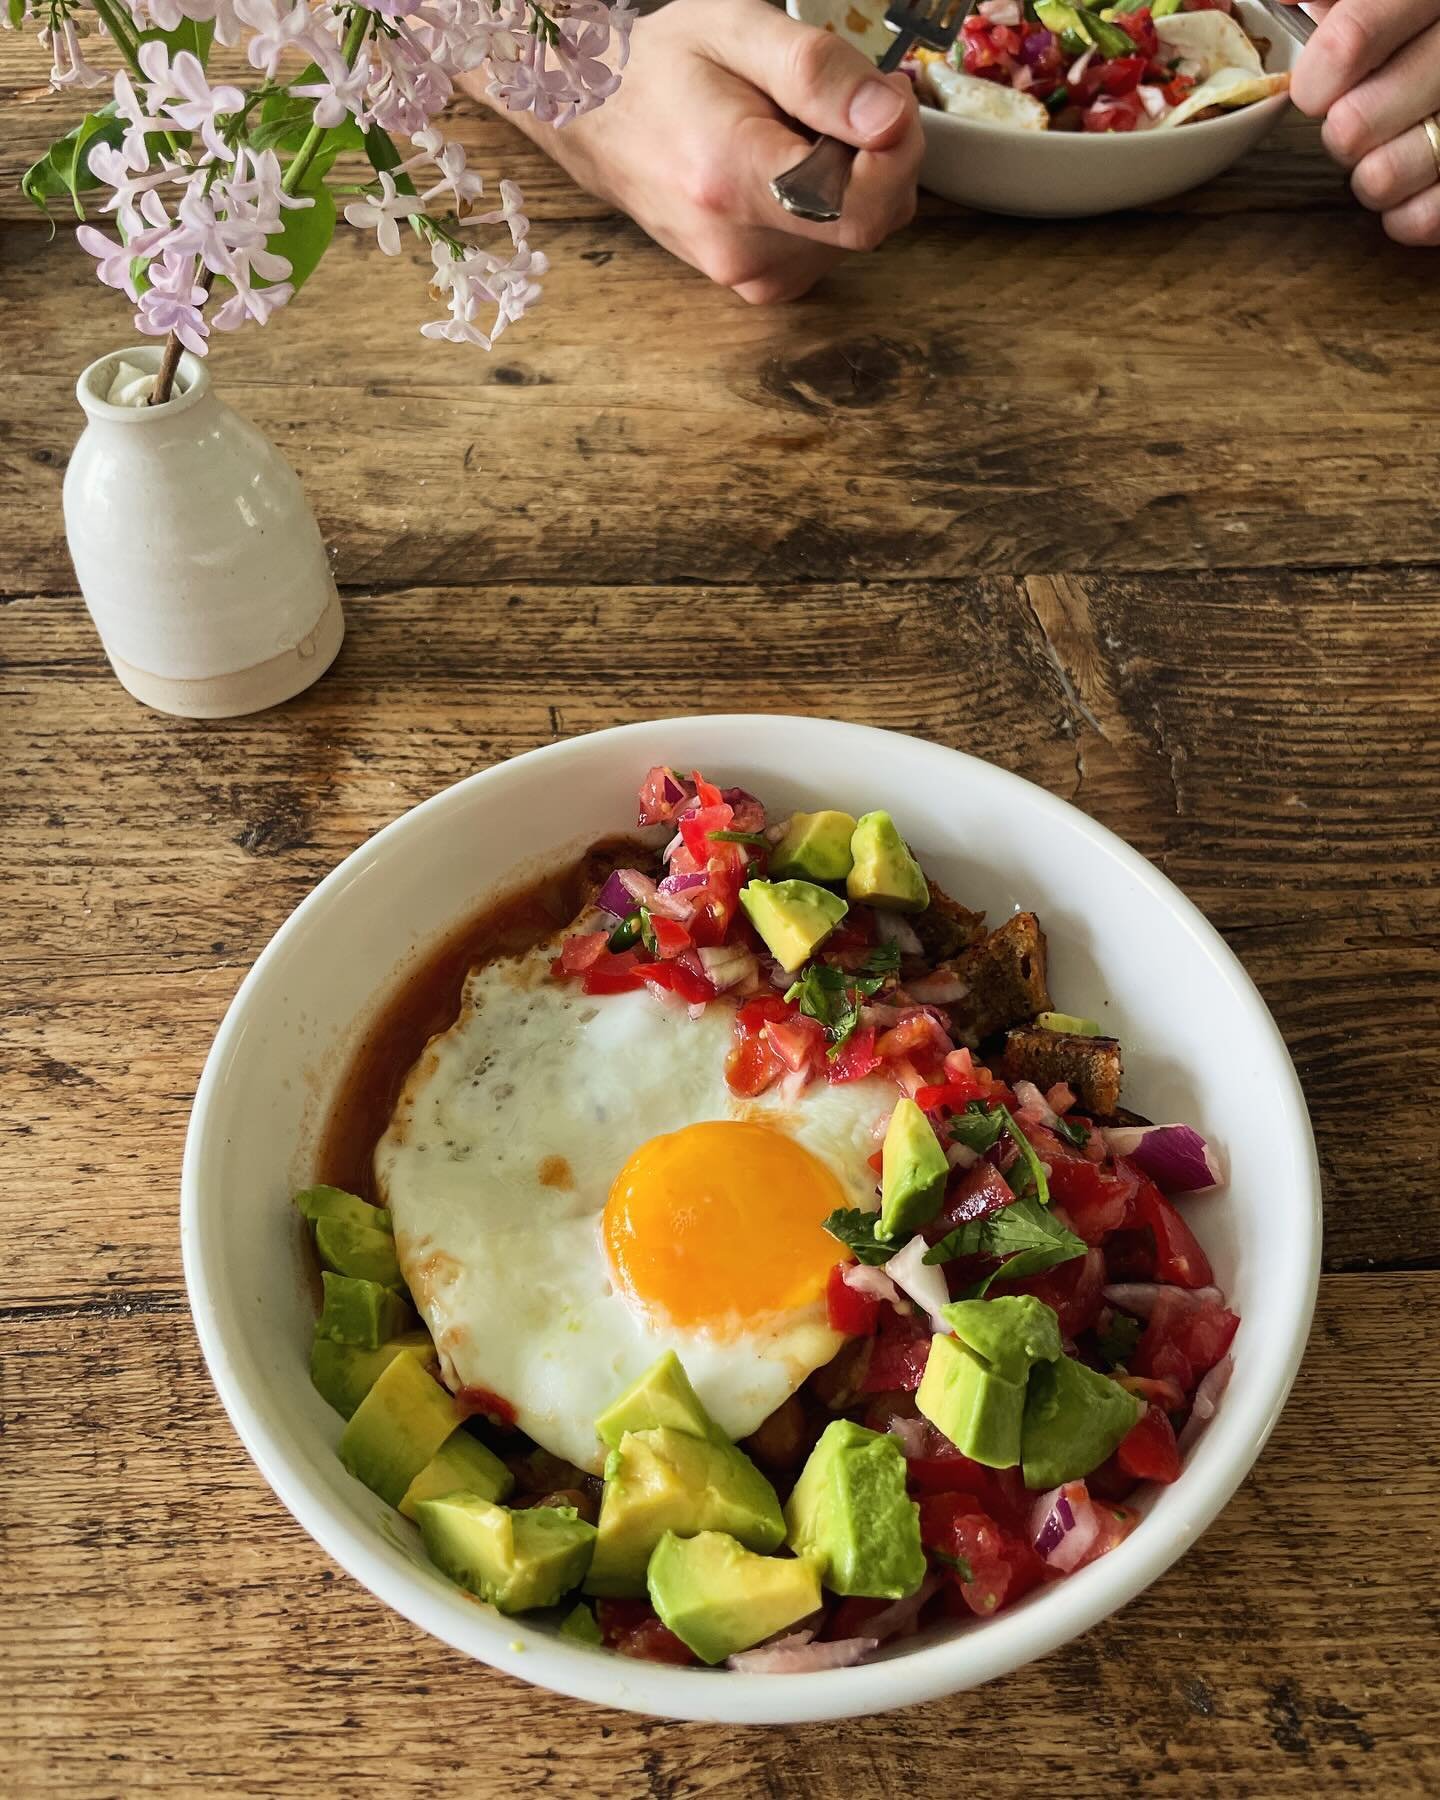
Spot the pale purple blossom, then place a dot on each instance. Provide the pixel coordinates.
(341, 93)
(168, 14)
(172, 302)
(177, 88)
(463, 185)
(115, 262)
(407, 87)
(68, 67)
(247, 303)
(380, 215)
(128, 181)
(281, 26)
(476, 279)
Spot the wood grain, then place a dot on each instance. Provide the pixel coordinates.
(158, 1596)
(1142, 509)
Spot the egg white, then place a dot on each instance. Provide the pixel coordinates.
(537, 1083)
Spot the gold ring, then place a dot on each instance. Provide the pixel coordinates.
(1432, 131)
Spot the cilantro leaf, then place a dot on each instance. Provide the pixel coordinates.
(1118, 1340)
(833, 997)
(1075, 1134)
(957, 1563)
(884, 959)
(1022, 1229)
(738, 837)
(1034, 1168)
(855, 1229)
(977, 1128)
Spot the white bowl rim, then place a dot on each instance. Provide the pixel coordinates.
(1007, 1641)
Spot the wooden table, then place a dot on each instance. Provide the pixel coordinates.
(1142, 509)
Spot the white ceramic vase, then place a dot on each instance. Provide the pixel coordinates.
(197, 553)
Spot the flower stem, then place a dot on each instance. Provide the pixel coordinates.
(300, 166)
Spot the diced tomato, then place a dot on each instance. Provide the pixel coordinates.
(695, 829)
(1121, 74)
(1179, 1258)
(676, 979)
(1139, 27)
(706, 792)
(954, 1531)
(897, 1358)
(1073, 1289)
(1118, 112)
(856, 1057)
(855, 932)
(1130, 1256)
(1178, 88)
(946, 1471)
(798, 1042)
(915, 1031)
(876, 1160)
(577, 953)
(761, 1010)
(671, 937)
(611, 973)
(1184, 1338)
(1095, 1201)
(848, 1309)
(655, 808)
(1149, 1451)
(980, 1191)
(1164, 1394)
(1116, 1524)
(616, 1618)
(952, 1096)
(1110, 1482)
(752, 1066)
(654, 1642)
(715, 914)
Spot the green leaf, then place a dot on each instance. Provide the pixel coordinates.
(1072, 1133)
(306, 231)
(855, 1228)
(884, 959)
(977, 1127)
(380, 147)
(738, 837)
(1024, 1227)
(1109, 39)
(193, 35)
(15, 13)
(64, 169)
(833, 997)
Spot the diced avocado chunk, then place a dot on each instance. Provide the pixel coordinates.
(667, 1480)
(397, 1428)
(316, 1203)
(719, 1598)
(1011, 1332)
(515, 1560)
(913, 1173)
(849, 1510)
(360, 1312)
(884, 873)
(1069, 1023)
(1074, 1418)
(816, 846)
(662, 1396)
(344, 1373)
(1056, 16)
(1162, 9)
(579, 1623)
(979, 1411)
(793, 917)
(461, 1462)
(356, 1250)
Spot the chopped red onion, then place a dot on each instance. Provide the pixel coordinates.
(727, 965)
(909, 1078)
(639, 887)
(881, 1017)
(675, 791)
(682, 884)
(1207, 1397)
(895, 928)
(615, 897)
(866, 1279)
(924, 1283)
(676, 843)
(1153, 100)
(1036, 46)
(901, 1615)
(797, 1655)
(1079, 66)
(961, 1156)
(1000, 12)
(1175, 1157)
(1142, 1297)
(938, 989)
(912, 1435)
(1064, 1526)
(1033, 1107)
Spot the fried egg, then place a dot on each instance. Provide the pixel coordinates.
(576, 1190)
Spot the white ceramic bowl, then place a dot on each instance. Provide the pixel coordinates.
(1126, 947)
(1068, 174)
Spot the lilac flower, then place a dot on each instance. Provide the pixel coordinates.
(408, 87)
(251, 303)
(380, 215)
(177, 85)
(476, 279)
(279, 26)
(511, 200)
(68, 67)
(168, 15)
(448, 159)
(172, 302)
(259, 194)
(339, 94)
(118, 171)
(115, 262)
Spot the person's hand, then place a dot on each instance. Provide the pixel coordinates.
(704, 119)
(1372, 72)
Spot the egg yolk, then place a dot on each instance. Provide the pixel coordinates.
(722, 1222)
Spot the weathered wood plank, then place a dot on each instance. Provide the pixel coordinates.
(164, 1624)
(1032, 404)
(1288, 786)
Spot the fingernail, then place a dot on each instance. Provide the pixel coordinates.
(874, 108)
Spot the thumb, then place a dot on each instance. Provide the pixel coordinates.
(812, 75)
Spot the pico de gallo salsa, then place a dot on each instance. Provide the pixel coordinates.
(1050, 1189)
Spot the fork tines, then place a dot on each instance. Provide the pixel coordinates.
(933, 22)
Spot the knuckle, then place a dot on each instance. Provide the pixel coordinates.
(1376, 177)
(726, 264)
(709, 189)
(1346, 130)
(1417, 227)
(811, 61)
(1350, 33)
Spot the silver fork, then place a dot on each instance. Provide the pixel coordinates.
(1290, 18)
(815, 188)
